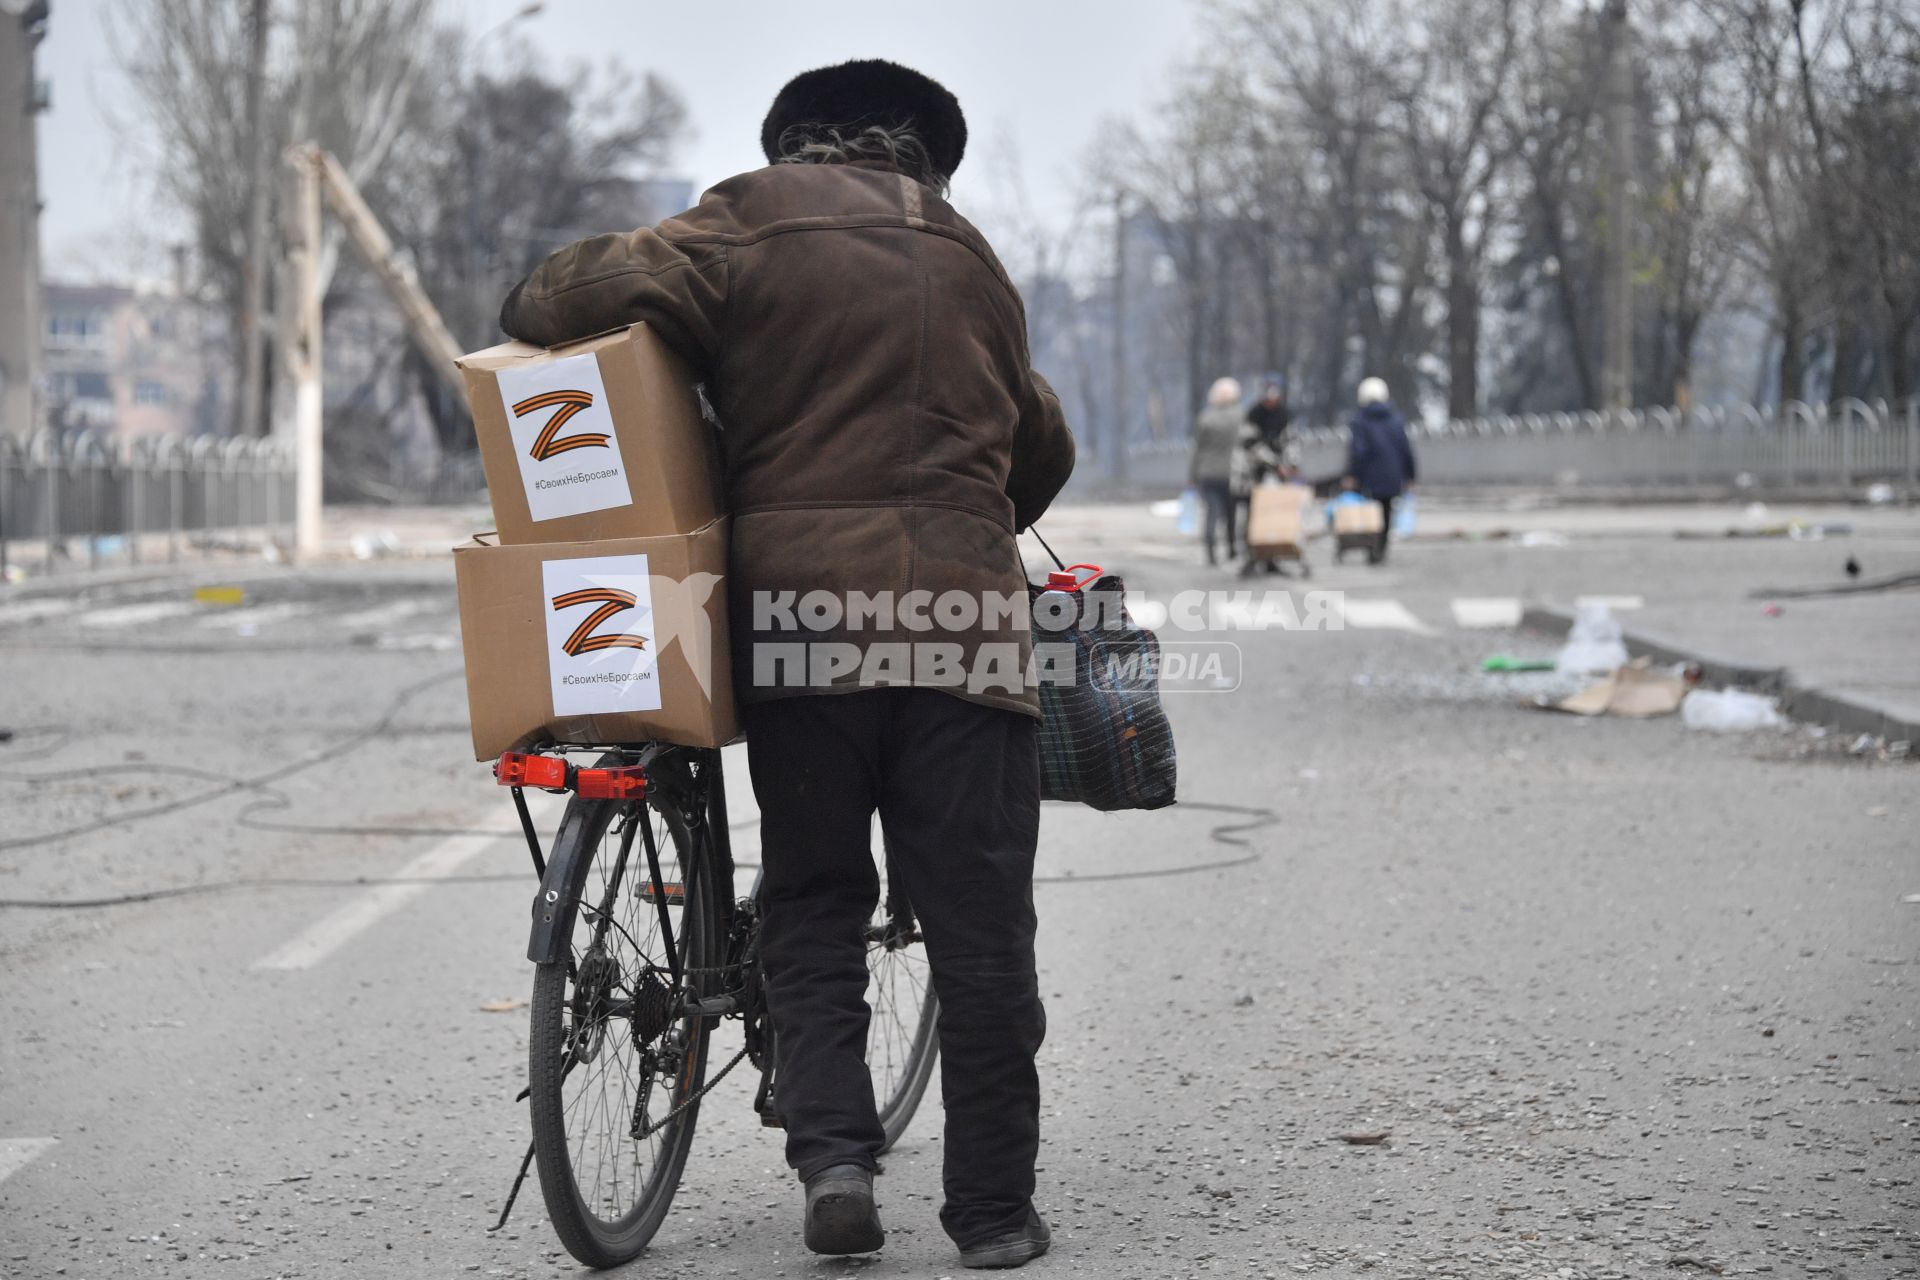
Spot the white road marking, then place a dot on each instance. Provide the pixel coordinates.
(17, 1153)
(134, 614)
(28, 610)
(380, 618)
(330, 933)
(1611, 602)
(1486, 612)
(254, 616)
(1382, 615)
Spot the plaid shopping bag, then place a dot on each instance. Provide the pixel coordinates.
(1104, 737)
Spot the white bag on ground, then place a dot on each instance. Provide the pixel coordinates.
(1594, 646)
(1729, 711)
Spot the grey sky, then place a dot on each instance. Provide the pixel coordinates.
(1039, 74)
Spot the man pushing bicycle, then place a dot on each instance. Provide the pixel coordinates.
(884, 438)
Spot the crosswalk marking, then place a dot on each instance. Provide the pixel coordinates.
(17, 1153)
(257, 615)
(1384, 615)
(28, 610)
(129, 615)
(380, 617)
(1476, 613)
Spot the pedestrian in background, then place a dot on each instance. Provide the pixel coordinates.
(1219, 469)
(1379, 456)
(1270, 418)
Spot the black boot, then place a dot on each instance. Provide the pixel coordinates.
(840, 1211)
(1010, 1248)
(841, 1217)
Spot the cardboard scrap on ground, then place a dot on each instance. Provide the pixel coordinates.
(1635, 691)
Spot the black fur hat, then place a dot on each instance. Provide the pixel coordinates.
(870, 91)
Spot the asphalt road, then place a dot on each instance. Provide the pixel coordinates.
(1627, 1000)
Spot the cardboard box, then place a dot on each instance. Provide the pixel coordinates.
(1359, 518)
(618, 640)
(1277, 519)
(597, 439)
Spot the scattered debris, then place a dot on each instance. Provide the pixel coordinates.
(1880, 494)
(1730, 711)
(1771, 610)
(1852, 567)
(507, 1005)
(1864, 745)
(1594, 645)
(1877, 811)
(1543, 538)
(1507, 662)
(1366, 1139)
(1702, 1264)
(1635, 691)
(1911, 899)
(223, 596)
(374, 546)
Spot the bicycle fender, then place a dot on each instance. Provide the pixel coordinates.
(559, 895)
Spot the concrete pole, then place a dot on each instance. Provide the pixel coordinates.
(1616, 378)
(251, 410)
(305, 353)
(23, 23)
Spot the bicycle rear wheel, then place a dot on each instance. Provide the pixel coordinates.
(903, 1034)
(614, 1066)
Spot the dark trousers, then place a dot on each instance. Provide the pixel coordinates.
(1386, 528)
(957, 787)
(1218, 497)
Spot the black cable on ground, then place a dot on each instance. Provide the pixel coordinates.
(228, 785)
(1222, 834)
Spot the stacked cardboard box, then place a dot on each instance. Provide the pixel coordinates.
(597, 612)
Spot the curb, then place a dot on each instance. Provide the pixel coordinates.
(1797, 702)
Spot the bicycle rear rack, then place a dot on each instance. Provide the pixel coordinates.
(558, 775)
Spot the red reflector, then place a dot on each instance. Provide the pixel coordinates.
(517, 769)
(676, 893)
(627, 782)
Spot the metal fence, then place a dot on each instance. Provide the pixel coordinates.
(1836, 448)
(145, 497)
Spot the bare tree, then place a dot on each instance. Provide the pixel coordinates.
(1457, 72)
(342, 73)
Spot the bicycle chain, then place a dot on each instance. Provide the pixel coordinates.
(702, 1092)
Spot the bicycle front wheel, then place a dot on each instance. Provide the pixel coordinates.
(615, 1063)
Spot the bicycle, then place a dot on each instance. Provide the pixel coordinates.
(637, 961)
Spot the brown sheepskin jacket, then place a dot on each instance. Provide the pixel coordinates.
(883, 430)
